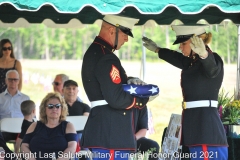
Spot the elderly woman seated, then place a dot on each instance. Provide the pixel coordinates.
(51, 137)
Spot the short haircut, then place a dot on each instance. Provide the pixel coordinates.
(27, 107)
(12, 70)
(64, 77)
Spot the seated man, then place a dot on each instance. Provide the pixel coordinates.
(10, 101)
(58, 84)
(141, 126)
(75, 108)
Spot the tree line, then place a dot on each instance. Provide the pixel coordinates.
(40, 42)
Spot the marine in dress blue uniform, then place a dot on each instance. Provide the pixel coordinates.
(110, 126)
(201, 79)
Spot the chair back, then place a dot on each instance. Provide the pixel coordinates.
(11, 125)
(77, 121)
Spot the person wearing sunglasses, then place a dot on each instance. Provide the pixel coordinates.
(52, 134)
(58, 84)
(8, 62)
(10, 101)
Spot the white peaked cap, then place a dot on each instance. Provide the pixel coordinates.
(185, 32)
(120, 20)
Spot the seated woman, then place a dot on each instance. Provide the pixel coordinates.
(52, 136)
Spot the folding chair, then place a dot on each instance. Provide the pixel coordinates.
(79, 124)
(77, 121)
(11, 125)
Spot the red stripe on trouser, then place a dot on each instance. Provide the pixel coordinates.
(111, 154)
(205, 151)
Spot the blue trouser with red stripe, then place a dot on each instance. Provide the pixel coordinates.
(205, 152)
(105, 154)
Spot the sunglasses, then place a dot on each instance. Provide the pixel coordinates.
(55, 83)
(7, 48)
(13, 79)
(51, 106)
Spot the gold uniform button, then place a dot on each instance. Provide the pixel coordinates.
(136, 103)
(184, 106)
(124, 113)
(140, 104)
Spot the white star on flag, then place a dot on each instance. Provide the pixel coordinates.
(132, 90)
(153, 90)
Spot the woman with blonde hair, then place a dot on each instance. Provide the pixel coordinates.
(201, 79)
(8, 62)
(52, 136)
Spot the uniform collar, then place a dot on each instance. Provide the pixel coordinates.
(99, 40)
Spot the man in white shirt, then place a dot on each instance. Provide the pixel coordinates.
(10, 100)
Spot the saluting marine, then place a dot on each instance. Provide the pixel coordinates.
(201, 79)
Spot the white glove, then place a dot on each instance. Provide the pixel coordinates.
(198, 47)
(149, 44)
(136, 81)
(153, 97)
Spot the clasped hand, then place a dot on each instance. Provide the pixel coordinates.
(198, 47)
(136, 81)
(149, 44)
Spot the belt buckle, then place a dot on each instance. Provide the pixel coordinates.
(184, 105)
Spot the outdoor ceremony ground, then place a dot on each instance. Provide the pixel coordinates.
(38, 75)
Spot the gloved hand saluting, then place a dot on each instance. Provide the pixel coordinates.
(198, 47)
(150, 45)
(136, 81)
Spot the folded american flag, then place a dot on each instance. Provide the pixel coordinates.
(141, 90)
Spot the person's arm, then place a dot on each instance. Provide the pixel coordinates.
(213, 65)
(141, 133)
(111, 75)
(175, 58)
(86, 113)
(72, 145)
(25, 145)
(141, 123)
(17, 145)
(19, 69)
(86, 109)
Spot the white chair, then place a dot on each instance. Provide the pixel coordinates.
(79, 124)
(11, 125)
(77, 121)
